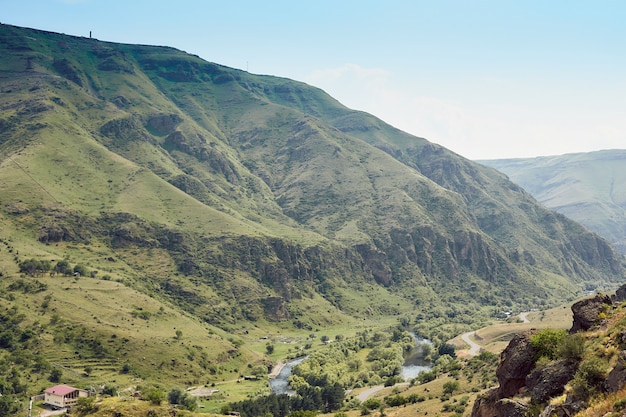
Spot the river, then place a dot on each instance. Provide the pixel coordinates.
(280, 384)
(414, 363)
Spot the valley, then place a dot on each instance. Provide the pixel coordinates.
(170, 223)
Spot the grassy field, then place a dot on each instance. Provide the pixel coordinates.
(495, 337)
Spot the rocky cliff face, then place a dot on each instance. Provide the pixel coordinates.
(521, 382)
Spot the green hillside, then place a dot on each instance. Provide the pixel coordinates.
(586, 187)
(240, 210)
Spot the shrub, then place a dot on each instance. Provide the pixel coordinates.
(426, 376)
(451, 386)
(154, 395)
(547, 342)
(572, 347)
(619, 405)
(589, 378)
(372, 404)
(395, 400)
(85, 405)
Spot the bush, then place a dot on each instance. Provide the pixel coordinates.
(372, 404)
(589, 378)
(547, 342)
(426, 376)
(451, 386)
(85, 405)
(154, 395)
(395, 400)
(572, 347)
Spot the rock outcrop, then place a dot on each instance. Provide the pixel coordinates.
(490, 405)
(549, 381)
(616, 379)
(516, 361)
(620, 294)
(586, 312)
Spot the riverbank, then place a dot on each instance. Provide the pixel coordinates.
(276, 369)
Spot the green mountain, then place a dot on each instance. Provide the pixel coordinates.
(586, 187)
(204, 207)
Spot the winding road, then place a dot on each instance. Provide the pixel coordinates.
(524, 317)
(474, 347)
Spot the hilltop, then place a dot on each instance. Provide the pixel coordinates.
(165, 219)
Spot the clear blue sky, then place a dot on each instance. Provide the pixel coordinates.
(486, 79)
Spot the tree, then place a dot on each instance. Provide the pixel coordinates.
(179, 334)
(85, 405)
(447, 349)
(154, 395)
(8, 405)
(269, 348)
(62, 267)
(188, 402)
(55, 375)
(33, 266)
(450, 386)
(80, 270)
(174, 396)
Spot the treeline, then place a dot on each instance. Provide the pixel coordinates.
(34, 267)
(325, 399)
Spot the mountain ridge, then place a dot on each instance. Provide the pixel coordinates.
(247, 204)
(583, 186)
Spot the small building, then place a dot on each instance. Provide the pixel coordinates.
(61, 396)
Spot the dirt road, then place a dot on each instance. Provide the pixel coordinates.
(474, 347)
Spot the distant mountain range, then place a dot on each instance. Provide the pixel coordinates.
(204, 198)
(589, 188)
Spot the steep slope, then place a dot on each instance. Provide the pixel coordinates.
(242, 201)
(586, 187)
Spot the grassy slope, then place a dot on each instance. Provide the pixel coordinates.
(272, 168)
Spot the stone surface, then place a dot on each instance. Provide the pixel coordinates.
(616, 379)
(516, 361)
(586, 312)
(550, 380)
(490, 405)
(620, 294)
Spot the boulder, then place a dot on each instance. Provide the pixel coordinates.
(620, 294)
(490, 405)
(586, 312)
(549, 381)
(516, 361)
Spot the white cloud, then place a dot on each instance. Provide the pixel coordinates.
(496, 118)
(372, 90)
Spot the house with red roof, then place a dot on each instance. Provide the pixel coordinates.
(61, 396)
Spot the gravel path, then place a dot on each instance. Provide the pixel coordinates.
(474, 347)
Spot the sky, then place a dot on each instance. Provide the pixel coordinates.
(486, 79)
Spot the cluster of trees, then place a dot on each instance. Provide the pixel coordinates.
(34, 267)
(325, 399)
(339, 362)
(18, 355)
(176, 396)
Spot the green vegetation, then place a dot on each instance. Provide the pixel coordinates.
(169, 222)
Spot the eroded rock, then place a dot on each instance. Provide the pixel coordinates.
(516, 361)
(586, 312)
